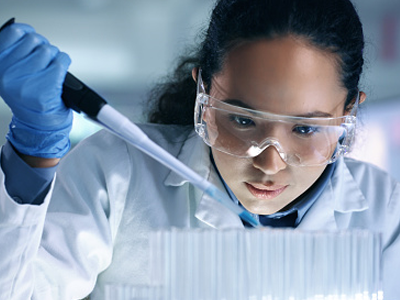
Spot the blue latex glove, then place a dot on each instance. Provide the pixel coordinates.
(32, 73)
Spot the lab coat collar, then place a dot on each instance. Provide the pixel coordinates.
(341, 197)
(347, 194)
(196, 155)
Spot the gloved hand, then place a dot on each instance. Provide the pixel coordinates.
(32, 73)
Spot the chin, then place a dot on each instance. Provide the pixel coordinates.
(258, 208)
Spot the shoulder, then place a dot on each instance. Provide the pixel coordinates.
(104, 155)
(167, 134)
(364, 172)
(104, 149)
(161, 134)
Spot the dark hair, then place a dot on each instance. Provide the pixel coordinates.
(332, 26)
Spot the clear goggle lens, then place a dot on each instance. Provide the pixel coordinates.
(245, 132)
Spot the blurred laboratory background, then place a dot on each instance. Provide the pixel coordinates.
(121, 48)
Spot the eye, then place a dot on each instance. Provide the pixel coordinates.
(241, 121)
(305, 130)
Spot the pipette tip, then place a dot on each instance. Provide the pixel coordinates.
(247, 217)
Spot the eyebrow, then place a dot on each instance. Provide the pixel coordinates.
(314, 114)
(239, 103)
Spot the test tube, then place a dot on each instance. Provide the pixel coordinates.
(265, 264)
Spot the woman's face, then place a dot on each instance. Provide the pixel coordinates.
(283, 76)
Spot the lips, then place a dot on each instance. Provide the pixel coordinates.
(265, 192)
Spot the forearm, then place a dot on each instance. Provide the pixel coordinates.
(39, 162)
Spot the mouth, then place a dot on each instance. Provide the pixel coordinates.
(265, 192)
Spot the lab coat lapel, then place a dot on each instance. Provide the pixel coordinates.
(341, 197)
(348, 196)
(196, 155)
(214, 213)
(321, 215)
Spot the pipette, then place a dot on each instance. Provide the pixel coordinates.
(79, 97)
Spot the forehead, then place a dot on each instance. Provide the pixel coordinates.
(285, 76)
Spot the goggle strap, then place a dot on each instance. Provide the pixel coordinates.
(200, 84)
(355, 106)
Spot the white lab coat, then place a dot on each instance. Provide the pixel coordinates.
(108, 195)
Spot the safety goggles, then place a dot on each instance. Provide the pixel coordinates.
(246, 133)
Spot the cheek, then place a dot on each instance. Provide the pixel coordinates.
(305, 177)
(229, 166)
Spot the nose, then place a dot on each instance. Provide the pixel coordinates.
(269, 161)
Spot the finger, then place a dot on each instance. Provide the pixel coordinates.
(58, 68)
(42, 87)
(12, 34)
(21, 49)
(38, 60)
(51, 80)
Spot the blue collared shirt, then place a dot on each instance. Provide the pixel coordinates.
(35, 181)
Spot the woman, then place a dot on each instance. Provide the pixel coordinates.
(276, 89)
